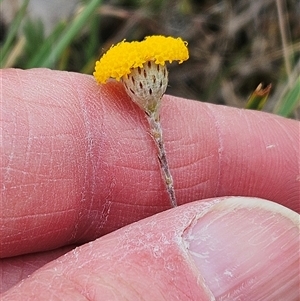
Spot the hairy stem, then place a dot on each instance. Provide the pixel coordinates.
(156, 133)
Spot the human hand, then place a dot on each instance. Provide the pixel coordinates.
(78, 163)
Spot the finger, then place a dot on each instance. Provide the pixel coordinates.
(78, 161)
(225, 249)
(14, 269)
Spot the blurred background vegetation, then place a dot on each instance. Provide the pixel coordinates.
(235, 45)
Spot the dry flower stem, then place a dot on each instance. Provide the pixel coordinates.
(156, 133)
(146, 85)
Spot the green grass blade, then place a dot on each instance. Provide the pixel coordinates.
(258, 98)
(92, 47)
(43, 52)
(13, 30)
(290, 101)
(69, 34)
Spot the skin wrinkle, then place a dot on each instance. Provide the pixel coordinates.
(260, 182)
(170, 133)
(131, 168)
(75, 286)
(121, 156)
(179, 146)
(28, 139)
(198, 161)
(142, 147)
(37, 182)
(288, 135)
(259, 131)
(105, 213)
(44, 144)
(89, 291)
(40, 214)
(296, 151)
(22, 238)
(7, 168)
(97, 218)
(23, 212)
(129, 115)
(196, 185)
(49, 153)
(88, 177)
(264, 155)
(260, 160)
(105, 152)
(33, 137)
(121, 289)
(27, 151)
(242, 161)
(283, 157)
(218, 129)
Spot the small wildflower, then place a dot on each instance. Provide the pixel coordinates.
(142, 69)
(120, 59)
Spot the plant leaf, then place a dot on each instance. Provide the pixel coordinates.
(259, 97)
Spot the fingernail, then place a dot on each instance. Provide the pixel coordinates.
(247, 249)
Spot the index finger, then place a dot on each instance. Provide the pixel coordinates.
(78, 161)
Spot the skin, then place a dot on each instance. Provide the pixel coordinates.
(78, 163)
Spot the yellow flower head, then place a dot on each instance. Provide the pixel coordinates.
(119, 60)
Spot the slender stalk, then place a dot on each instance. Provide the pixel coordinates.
(156, 133)
(284, 37)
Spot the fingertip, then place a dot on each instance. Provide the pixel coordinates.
(246, 248)
(232, 248)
